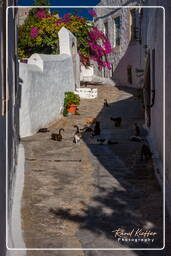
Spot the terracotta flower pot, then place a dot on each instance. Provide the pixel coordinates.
(72, 109)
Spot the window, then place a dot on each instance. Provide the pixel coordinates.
(106, 29)
(129, 72)
(117, 31)
(133, 28)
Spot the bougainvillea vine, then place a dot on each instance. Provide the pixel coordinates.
(39, 34)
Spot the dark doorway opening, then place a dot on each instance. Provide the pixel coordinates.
(129, 72)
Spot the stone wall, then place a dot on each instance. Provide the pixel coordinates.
(128, 53)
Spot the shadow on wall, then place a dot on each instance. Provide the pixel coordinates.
(126, 194)
(15, 138)
(18, 105)
(125, 71)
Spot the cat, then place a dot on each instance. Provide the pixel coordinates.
(102, 141)
(77, 135)
(146, 153)
(106, 103)
(97, 130)
(106, 141)
(43, 130)
(57, 136)
(110, 142)
(137, 130)
(136, 138)
(86, 129)
(91, 121)
(117, 121)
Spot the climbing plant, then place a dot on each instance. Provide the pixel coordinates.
(39, 34)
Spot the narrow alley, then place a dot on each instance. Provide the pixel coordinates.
(75, 195)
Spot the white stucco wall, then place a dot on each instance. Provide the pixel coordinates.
(86, 73)
(44, 81)
(42, 93)
(68, 45)
(152, 35)
(155, 41)
(89, 75)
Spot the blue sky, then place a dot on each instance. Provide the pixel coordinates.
(82, 12)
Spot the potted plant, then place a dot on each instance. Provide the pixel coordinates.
(71, 102)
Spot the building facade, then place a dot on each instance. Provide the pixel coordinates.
(122, 26)
(152, 51)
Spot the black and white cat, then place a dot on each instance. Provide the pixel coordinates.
(77, 135)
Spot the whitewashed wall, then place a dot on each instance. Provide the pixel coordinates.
(88, 75)
(68, 45)
(44, 80)
(154, 37)
(153, 19)
(42, 95)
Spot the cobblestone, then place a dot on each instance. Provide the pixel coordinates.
(76, 195)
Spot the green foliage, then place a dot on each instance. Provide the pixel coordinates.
(45, 42)
(47, 39)
(70, 99)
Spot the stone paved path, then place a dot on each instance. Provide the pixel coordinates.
(76, 195)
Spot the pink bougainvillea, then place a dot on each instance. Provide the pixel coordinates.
(107, 46)
(93, 13)
(67, 18)
(41, 14)
(93, 44)
(59, 22)
(34, 32)
(100, 47)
